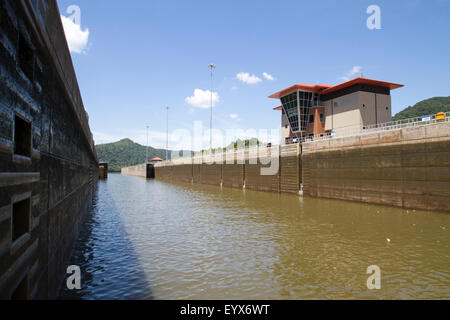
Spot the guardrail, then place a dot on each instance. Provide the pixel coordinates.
(393, 125)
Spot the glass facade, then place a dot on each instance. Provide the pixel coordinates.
(290, 106)
(297, 106)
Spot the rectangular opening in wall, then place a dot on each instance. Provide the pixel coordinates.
(21, 219)
(22, 136)
(21, 292)
(26, 57)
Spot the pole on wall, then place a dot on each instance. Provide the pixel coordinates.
(212, 67)
(167, 134)
(146, 150)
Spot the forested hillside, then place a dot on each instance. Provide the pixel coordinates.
(425, 107)
(125, 153)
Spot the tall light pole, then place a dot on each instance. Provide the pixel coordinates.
(167, 135)
(212, 67)
(146, 151)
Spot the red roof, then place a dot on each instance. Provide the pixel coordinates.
(325, 89)
(302, 86)
(157, 159)
(278, 108)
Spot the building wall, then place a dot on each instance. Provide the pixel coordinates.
(316, 128)
(44, 194)
(375, 111)
(350, 112)
(407, 168)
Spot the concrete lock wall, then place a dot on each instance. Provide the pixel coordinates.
(142, 170)
(48, 163)
(407, 168)
(242, 169)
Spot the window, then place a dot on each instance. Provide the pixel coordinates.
(22, 136)
(364, 106)
(26, 57)
(387, 108)
(286, 126)
(20, 219)
(311, 136)
(287, 140)
(321, 117)
(311, 118)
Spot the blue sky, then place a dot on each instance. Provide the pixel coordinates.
(144, 55)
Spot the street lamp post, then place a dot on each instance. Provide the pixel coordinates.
(167, 135)
(212, 67)
(146, 150)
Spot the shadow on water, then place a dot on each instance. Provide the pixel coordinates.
(110, 268)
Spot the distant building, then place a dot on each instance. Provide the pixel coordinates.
(156, 160)
(316, 110)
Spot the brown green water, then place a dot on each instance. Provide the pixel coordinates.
(149, 239)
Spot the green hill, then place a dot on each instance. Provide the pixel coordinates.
(425, 107)
(125, 153)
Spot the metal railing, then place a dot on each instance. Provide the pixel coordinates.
(392, 125)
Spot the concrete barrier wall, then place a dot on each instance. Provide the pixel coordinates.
(58, 176)
(164, 173)
(211, 174)
(255, 181)
(181, 173)
(407, 168)
(137, 171)
(233, 175)
(290, 169)
(286, 180)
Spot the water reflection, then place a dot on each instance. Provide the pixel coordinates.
(109, 266)
(204, 242)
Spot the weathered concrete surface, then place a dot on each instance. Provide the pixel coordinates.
(58, 174)
(290, 169)
(164, 173)
(181, 173)
(233, 175)
(241, 168)
(254, 180)
(210, 174)
(142, 170)
(407, 168)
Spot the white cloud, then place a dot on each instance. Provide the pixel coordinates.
(247, 78)
(268, 76)
(353, 71)
(234, 116)
(77, 39)
(202, 99)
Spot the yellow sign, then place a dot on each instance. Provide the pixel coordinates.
(440, 116)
